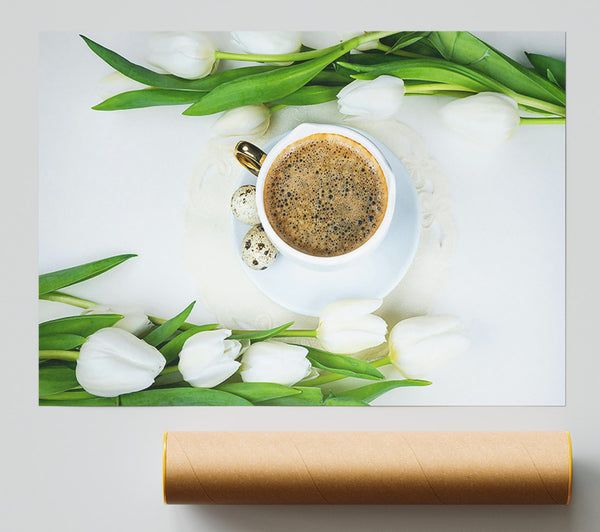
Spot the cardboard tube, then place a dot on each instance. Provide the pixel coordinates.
(367, 468)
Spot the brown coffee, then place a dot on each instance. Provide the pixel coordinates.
(325, 195)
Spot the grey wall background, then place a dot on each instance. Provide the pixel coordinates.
(99, 469)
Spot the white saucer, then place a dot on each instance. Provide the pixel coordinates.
(307, 291)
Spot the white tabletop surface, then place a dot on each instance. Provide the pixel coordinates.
(98, 469)
(117, 182)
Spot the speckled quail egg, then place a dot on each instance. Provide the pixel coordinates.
(243, 205)
(258, 252)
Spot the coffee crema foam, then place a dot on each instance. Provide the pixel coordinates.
(325, 195)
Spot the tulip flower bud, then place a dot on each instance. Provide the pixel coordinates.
(348, 326)
(375, 99)
(268, 42)
(271, 361)
(189, 55)
(207, 359)
(246, 121)
(421, 344)
(114, 361)
(488, 117)
(134, 321)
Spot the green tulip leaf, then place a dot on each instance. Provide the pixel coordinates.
(78, 325)
(168, 81)
(48, 282)
(344, 401)
(308, 396)
(61, 341)
(56, 378)
(371, 391)
(163, 332)
(258, 391)
(96, 401)
(266, 86)
(330, 77)
(463, 77)
(422, 47)
(183, 397)
(261, 335)
(436, 70)
(310, 95)
(148, 98)
(406, 38)
(342, 364)
(173, 347)
(553, 69)
(465, 49)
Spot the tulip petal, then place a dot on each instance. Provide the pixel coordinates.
(214, 374)
(375, 99)
(347, 342)
(278, 362)
(487, 118)
(367, 323)
(189, 55)
(248, 120)
(430, 353)
(133, 321)
(268, 42)
(232, 349)
(419, 345)
(412, 330)
(207, 358)
(113, 362)
(350, 308)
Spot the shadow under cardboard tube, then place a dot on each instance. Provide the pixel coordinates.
(486, 518)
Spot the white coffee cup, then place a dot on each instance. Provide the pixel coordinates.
(259, 163)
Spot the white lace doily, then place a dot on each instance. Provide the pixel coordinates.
(209, 255)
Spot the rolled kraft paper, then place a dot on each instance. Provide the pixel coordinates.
(367, 467)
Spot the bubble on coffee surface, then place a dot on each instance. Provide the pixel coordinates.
(325, 195)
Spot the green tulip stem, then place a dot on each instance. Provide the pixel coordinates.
(66, 396)
(302, 56)
(537, 104)
(423, 88)
(331, 377)
(277, 107)
(288, 333)
(58, 354)
(299, 333)
(525, 120)
(61, 297)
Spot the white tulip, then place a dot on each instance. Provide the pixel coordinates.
(271, 361)
(114, 361)
(348, 326)
(189, 55)
(134, 320)
(207, 358)
(247, 121)
(421, 344)
(268, 42)
(488, 117)
(375, 99)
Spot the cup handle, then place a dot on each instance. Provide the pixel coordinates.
(249, 156)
